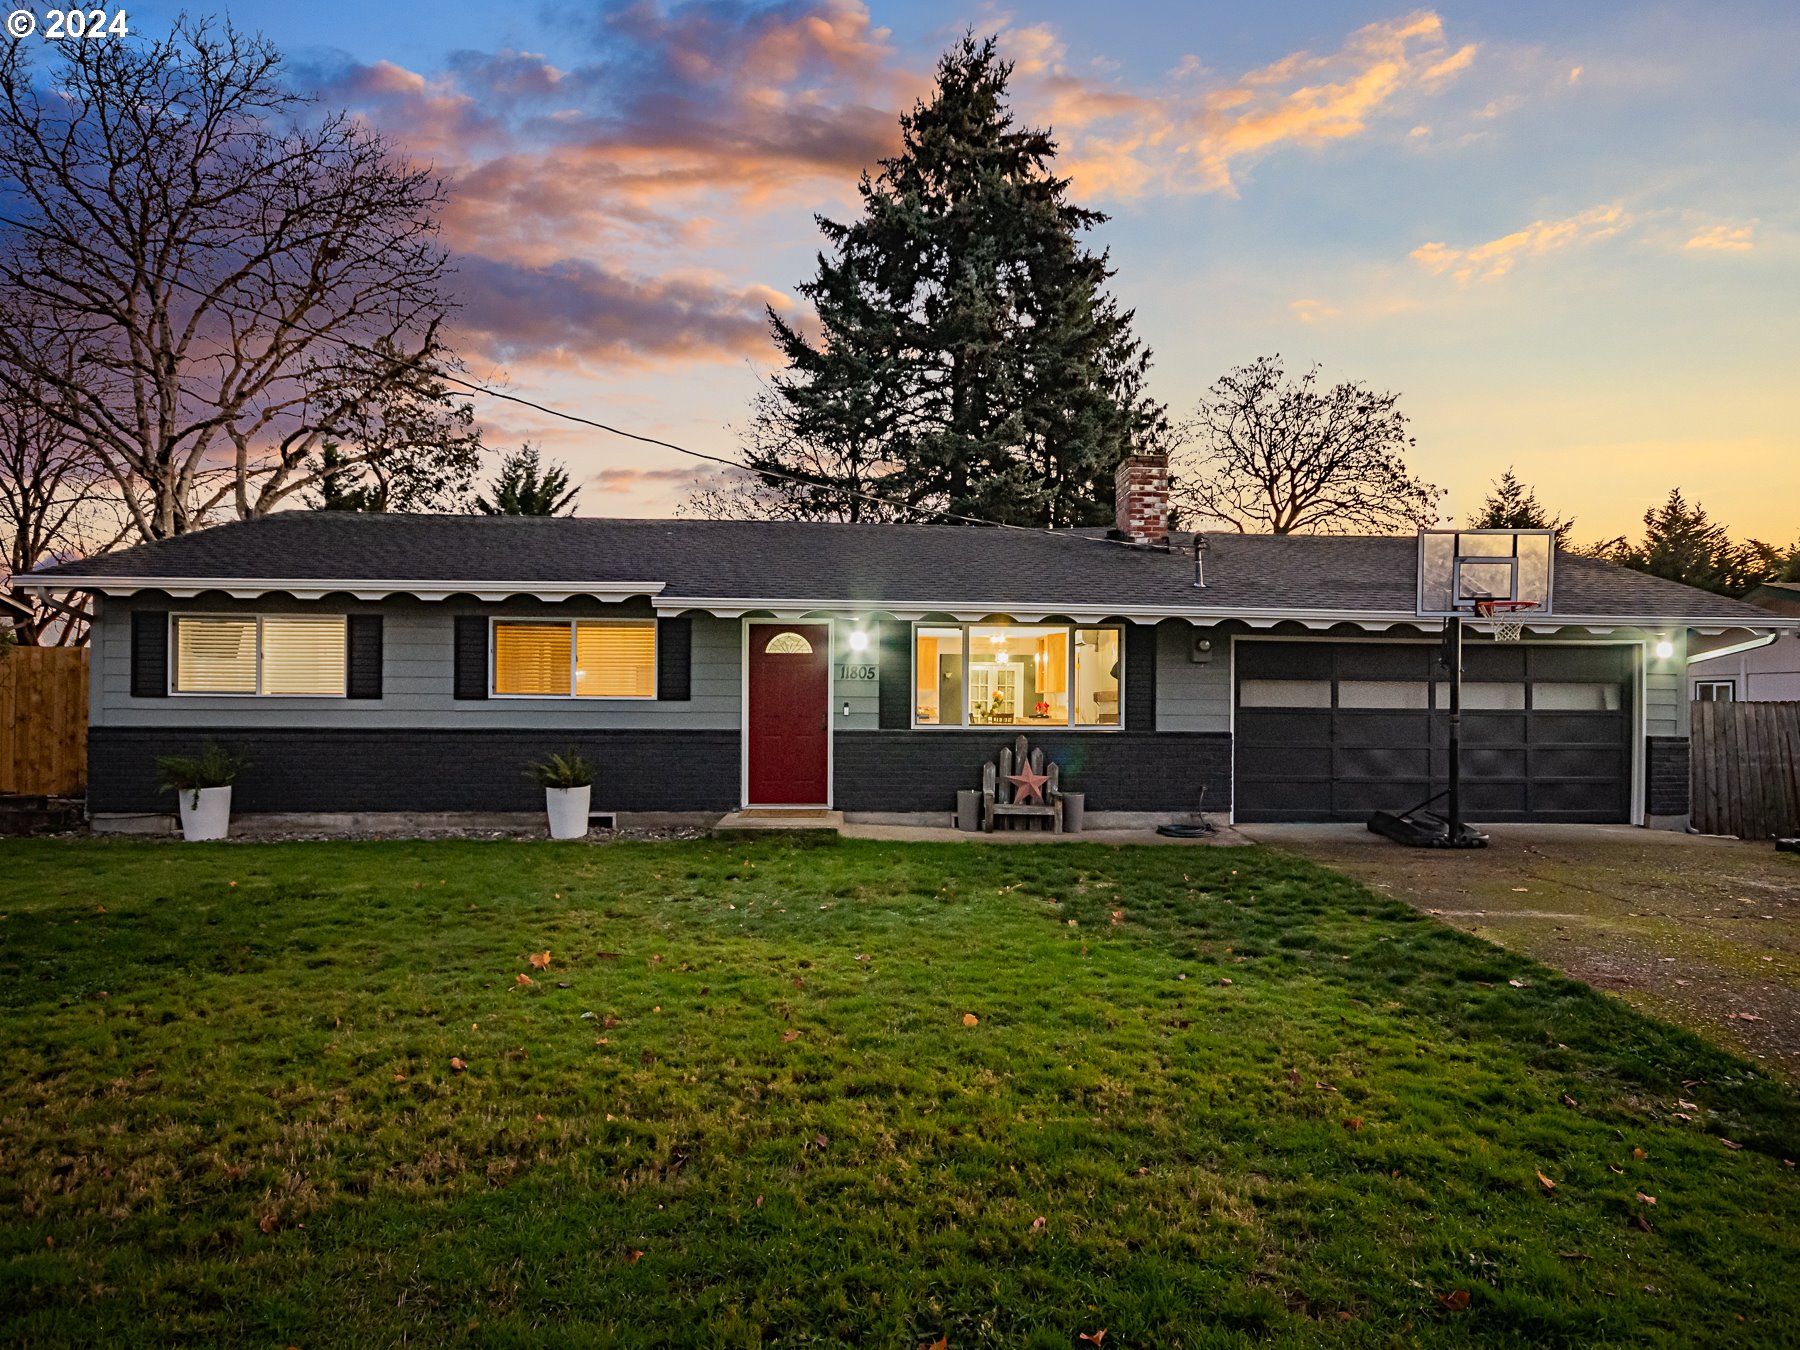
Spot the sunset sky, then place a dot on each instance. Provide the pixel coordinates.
(1567, 234)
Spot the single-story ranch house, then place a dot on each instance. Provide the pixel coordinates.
(384, 663)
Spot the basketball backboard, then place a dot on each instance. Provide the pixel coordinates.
(1462, 572)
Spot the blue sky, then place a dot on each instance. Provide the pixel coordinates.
(1568, 235)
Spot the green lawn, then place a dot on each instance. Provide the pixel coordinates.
(1212, 1096)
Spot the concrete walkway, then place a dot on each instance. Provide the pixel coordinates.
(1702, 931)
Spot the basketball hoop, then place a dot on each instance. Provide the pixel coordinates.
(1507, 625)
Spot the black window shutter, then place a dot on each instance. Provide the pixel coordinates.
(471, 656)
(1140, 677)
(894, 694)
(363, 677)
(675, 659)
(149, 653)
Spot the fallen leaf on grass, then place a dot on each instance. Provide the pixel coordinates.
(1575, 1256)
(970, 1020)
(1037, 1224)
(524, 980)
(1456, 1300)
(1639, 1154)
(1520, 984)
(634, 1257)
(862, 956)
(941, 1343)
(609, 1021)
(270, 1221)
(458, 1063)
(399, 1078)
(1324, 1087)
(1093, 1337)
(759, 1201)
(1734, 1147)
(1615, 1170)
(799, 983)
(1686, 1106)
(821, 1140)
(1570, 1102)
(1354, 1123)
(1118, 917)
(1644, 1224)
(540, 960)
(1742, 1017)
(1224, 980)
(1549, 1185)
(790, 1035)
(1645, 1199)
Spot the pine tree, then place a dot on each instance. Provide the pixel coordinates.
(1511, 505)
(970, 359)
(1682, 543)
(525, 486)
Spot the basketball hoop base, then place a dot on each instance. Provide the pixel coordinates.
(1424, 829)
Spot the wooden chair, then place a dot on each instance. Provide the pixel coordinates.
(999, 797)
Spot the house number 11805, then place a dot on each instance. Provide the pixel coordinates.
(864, 671)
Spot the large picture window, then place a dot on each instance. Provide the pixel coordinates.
(297, 655)
(582, 659)
(1044, 675)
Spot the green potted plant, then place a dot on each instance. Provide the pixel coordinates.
(568, 785)
(202, 787)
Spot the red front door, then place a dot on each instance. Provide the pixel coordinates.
(789, 723)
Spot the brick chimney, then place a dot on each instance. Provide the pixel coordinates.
(1141, 493)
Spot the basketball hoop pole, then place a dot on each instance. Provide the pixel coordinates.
(1453, 641)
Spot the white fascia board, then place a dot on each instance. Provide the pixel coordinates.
(315, 588)
(1735, 649)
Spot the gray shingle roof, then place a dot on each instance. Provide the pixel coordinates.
(859, 564)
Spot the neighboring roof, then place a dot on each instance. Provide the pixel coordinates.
(733, 566)
(1779, 597)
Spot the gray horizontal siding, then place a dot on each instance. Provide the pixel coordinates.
(1192, 696)
(417, 675)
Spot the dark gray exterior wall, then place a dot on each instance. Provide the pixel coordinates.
(376, 769)
(1125, 771)
(1666, 776)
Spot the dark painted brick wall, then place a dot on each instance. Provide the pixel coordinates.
(1119, 771)
(1666, 767)
(475, 770)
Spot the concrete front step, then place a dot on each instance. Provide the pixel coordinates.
(763, 820)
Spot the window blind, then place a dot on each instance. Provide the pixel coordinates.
(303, 654)
(531, 658)
(615, 660)
(215, 656)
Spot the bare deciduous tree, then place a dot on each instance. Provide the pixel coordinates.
(1278, 456)
(54, 502)
(214, 279)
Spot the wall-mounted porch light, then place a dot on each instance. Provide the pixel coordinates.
(1664, 649)
(859, 641)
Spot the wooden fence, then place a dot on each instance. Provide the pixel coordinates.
(43, 720)
(1745, 769)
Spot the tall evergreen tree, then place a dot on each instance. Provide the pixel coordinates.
(525, 486)
(1682, 543)
(1512, 505)
(970, 359)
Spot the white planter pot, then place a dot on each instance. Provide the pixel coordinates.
(568, 808)
(205, 813)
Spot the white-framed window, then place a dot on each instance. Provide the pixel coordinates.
(1018, 674)
(572, 658)
(1715, 691)
(268, 655)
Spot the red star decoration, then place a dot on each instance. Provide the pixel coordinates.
(1030, 785)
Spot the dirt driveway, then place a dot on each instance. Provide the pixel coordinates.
(1704, 932)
